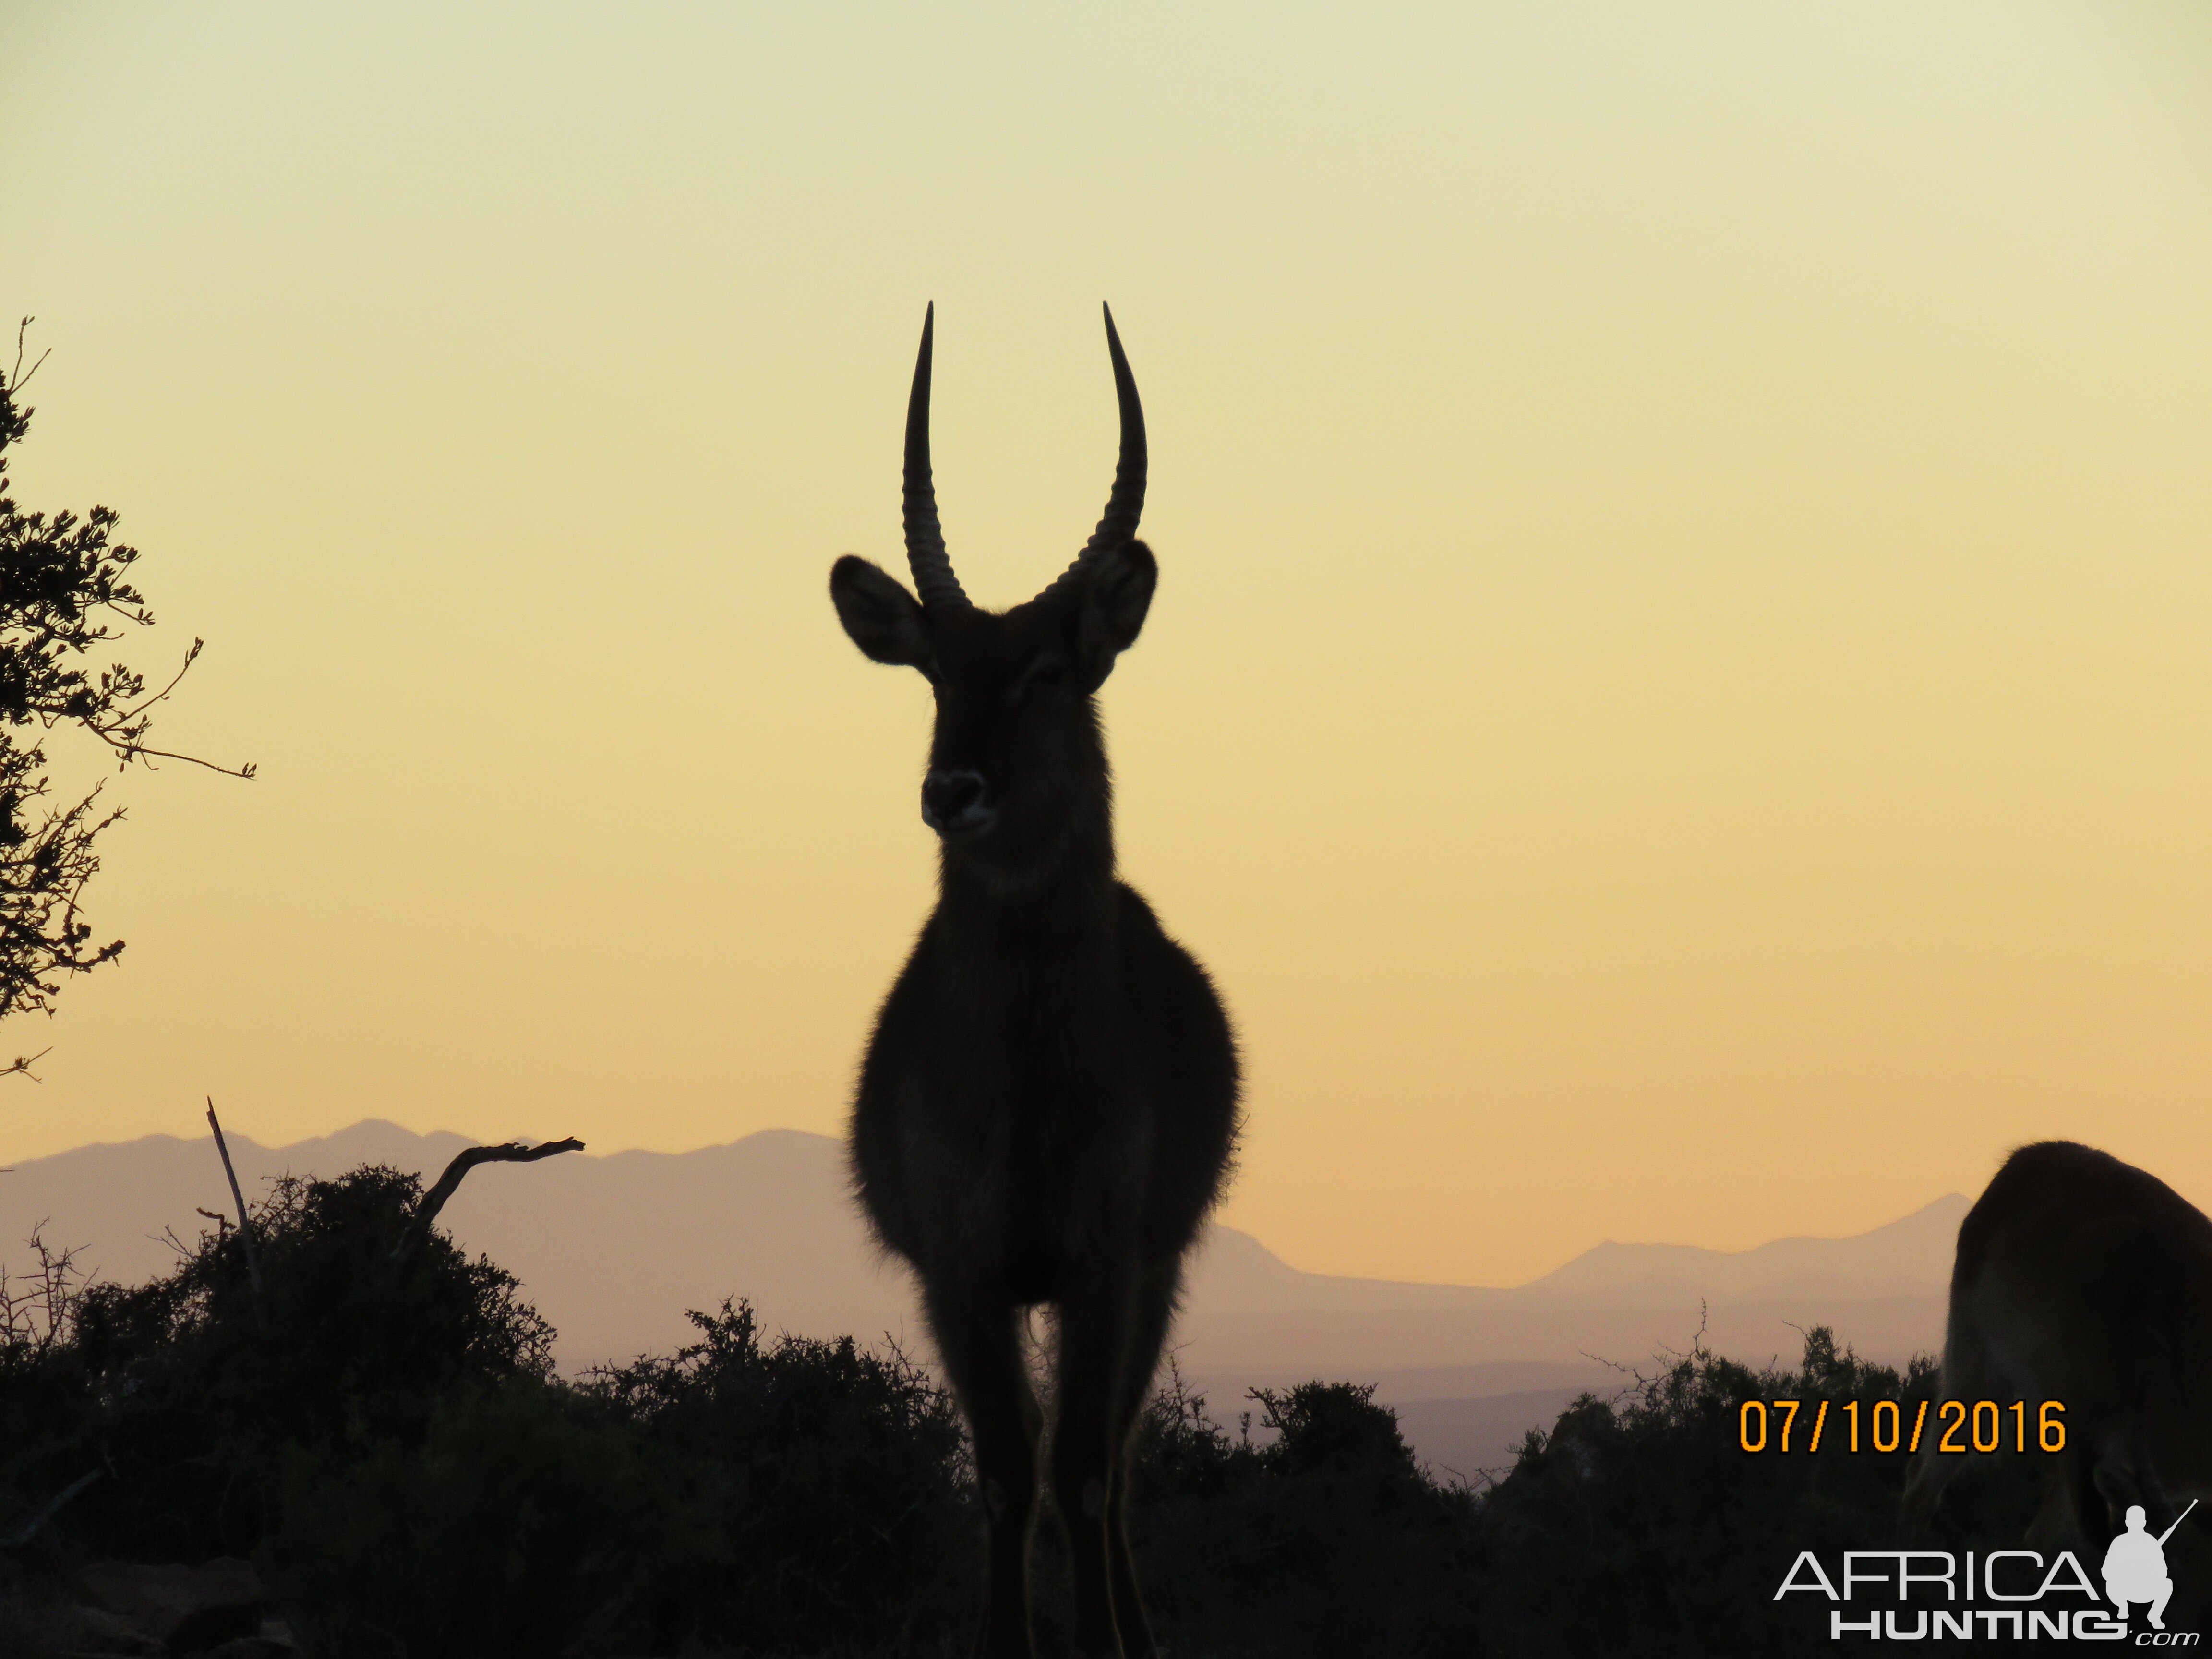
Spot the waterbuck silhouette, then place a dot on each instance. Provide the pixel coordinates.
(2087, 1282)
(1049, 1102)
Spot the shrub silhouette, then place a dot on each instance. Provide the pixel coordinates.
(1640, 1524)
(1335, 1429)
(834, 1481)
(185, 1398)
(384, 1435)
(1329, 1542)
(520, 1526)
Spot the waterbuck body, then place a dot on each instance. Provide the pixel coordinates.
(1049, 1104)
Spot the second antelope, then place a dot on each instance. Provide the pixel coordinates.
(1049, 1104)
(2085, 1280)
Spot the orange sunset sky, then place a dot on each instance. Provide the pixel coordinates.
(1679, 701)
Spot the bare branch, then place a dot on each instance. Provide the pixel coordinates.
(192, 655)
(40, 1316)
(20, 376)
(23, 1063)
(135, 751)
(122, 730)
(450, 1183)
(24, 1535)
(245, 1222)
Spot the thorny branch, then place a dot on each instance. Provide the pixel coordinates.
(36, 1314)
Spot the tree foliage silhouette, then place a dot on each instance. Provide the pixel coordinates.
(64, 590)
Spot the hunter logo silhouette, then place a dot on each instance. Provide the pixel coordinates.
(2135, 1565)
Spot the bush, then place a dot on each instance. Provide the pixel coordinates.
(184, 1394)
(1329, 1542)
(1640, 1525)
(380, 1428)
(510, 1532)
(1335, 1429)
(834, 1481)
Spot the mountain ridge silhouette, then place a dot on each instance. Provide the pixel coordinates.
(614, 1247)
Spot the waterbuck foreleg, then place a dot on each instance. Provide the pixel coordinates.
(1156, 1285)
(981, 1345)
(1098, 1318)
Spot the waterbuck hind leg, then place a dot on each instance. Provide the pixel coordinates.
(981, 1343)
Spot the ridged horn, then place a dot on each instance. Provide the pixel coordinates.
(1126, 503)
(933, 581)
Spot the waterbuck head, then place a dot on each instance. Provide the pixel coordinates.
(1017, 770)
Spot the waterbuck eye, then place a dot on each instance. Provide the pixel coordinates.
(1046, 673)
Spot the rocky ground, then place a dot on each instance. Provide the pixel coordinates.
(218, 1610)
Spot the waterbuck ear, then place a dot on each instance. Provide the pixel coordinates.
(1117, 592)
(880, 616)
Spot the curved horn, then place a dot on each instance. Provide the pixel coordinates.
(1127, 503)
(933, 581)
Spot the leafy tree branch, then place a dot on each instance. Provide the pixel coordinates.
(65, 592)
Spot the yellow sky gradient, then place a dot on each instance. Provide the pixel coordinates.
(1680, 703)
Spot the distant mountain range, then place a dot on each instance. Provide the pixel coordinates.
(613, 1249)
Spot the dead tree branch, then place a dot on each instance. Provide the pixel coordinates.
(245, 1222)
(450, 1183)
